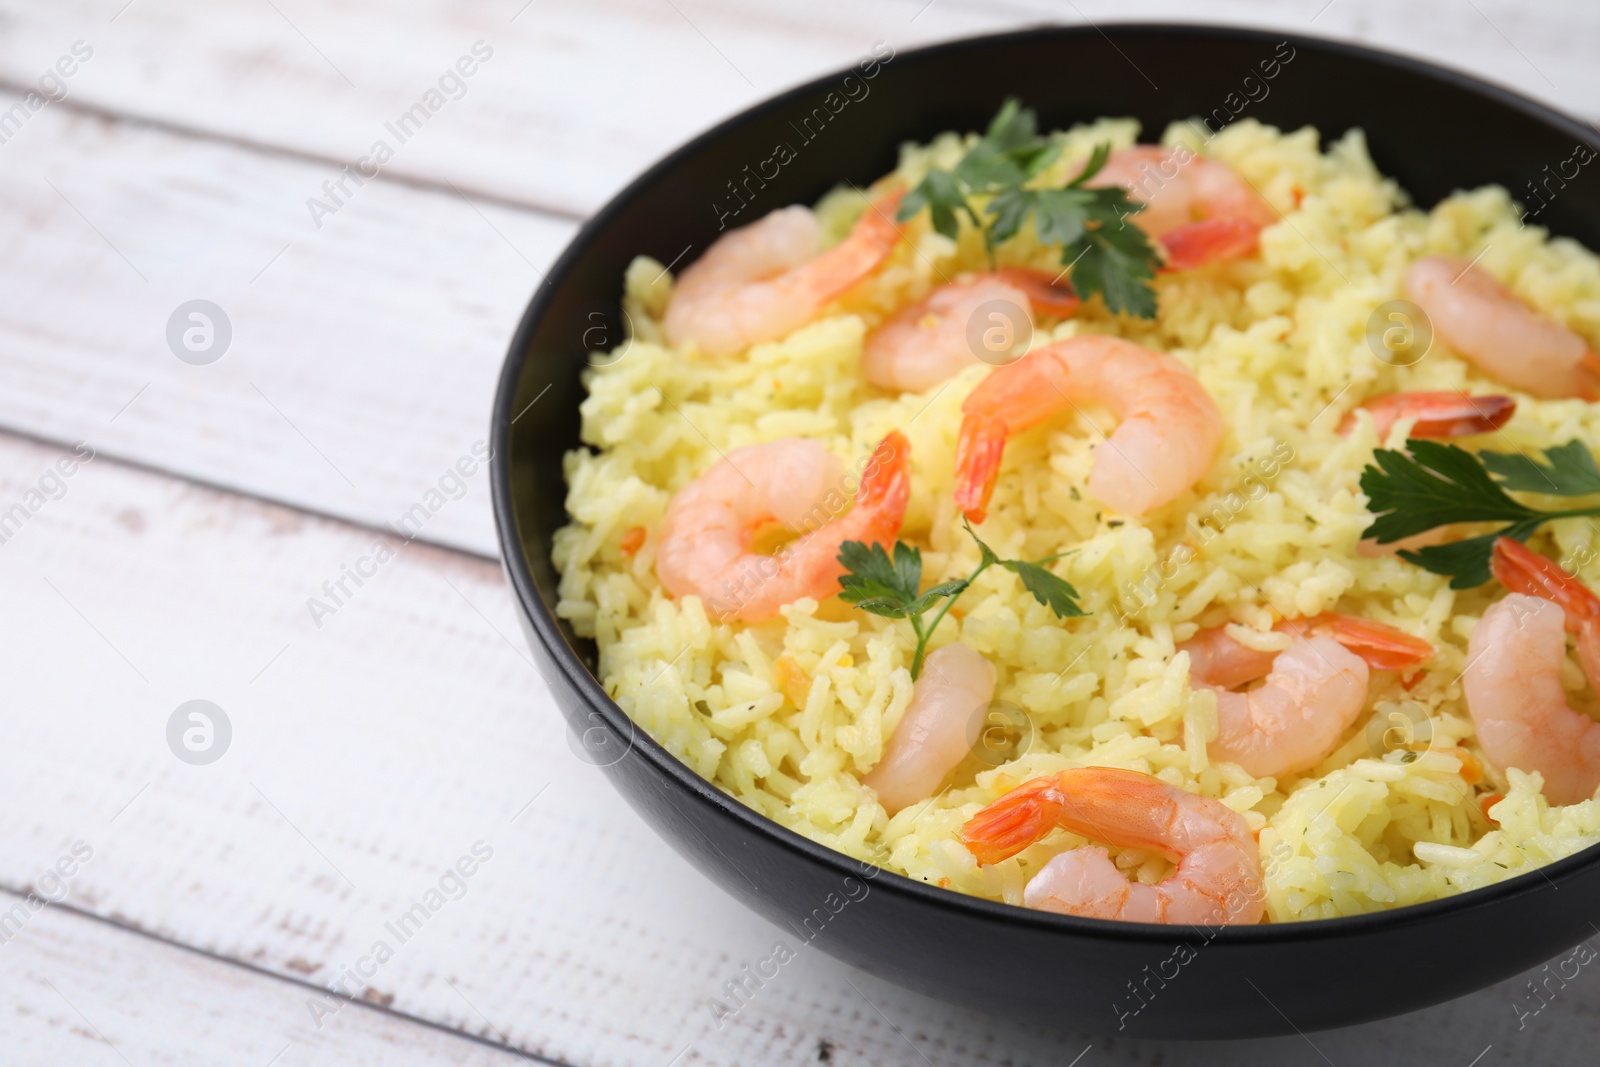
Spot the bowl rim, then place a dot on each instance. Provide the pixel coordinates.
(578, 677)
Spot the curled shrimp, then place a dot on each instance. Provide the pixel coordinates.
(705, 543)
(1199, 210)
(1313, 690)
(1513, 676)
(1435, 414)
(925, 343)
(1229, 664)
(1168, 433)
(1490, 326)
(1218, 879)
(763, 281)
(938, 728)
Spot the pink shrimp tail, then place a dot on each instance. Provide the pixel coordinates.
(1015, 821)
(886, 480)
(1137, 805)
(1213, 240)
(1591, 365)
(978, 453)
(1383, 647)
(880, 505)
(1522, 570)
(871, 240)
(1437, 414)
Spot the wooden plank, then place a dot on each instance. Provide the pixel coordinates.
(577, 98)
(82, 992)
(404, 737)
(573, 101)
(363, 356)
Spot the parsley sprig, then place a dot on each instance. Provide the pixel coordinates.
(889, 586)
(1433, 484)
(989, 185)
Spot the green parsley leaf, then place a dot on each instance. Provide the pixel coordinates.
(1009, 209)
(953, 588)
(1570, 470)
(1010, 151)
(872, 575)
(1008, 154)
(1097, 161)
(888, 607)
(887, 586)
(1116, 260)
(1054, 592)
(1063, 216)
(1465, 562)
(985, 553)
(1107, 255)
(908, 569)
(1433, 484)
(940, 193)
(1013, 126)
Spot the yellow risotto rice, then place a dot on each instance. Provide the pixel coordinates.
(787, 716)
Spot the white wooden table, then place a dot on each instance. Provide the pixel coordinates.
(378, 742)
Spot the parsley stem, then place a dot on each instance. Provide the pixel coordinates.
(923, 634)
(922, 645)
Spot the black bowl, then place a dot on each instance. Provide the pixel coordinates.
(1434, 130)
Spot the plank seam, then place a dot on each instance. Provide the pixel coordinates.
(146, 467)
(442, 187)
(302, 983)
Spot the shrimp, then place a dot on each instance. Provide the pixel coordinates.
(1514, 694)
(1522, 570)
(1491, 327)
(1169, 432)
(1218, 879)
(1200, 210)
(1382, 647)
(1314, 689)
(937, 730)
(1226, 662)
(1513, 676)
(763, 281)
(927, 342)
(1435, 414)
(704, 545)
